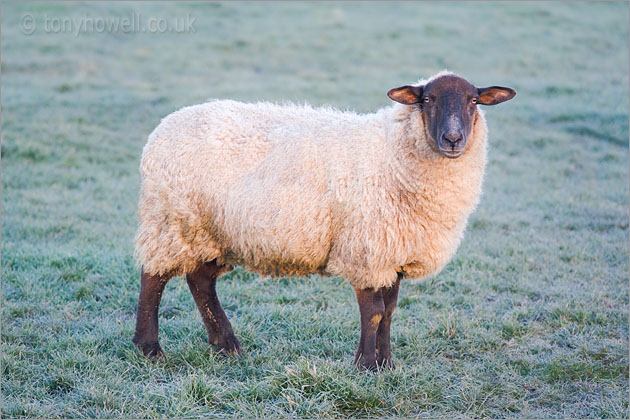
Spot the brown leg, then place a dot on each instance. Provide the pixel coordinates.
(372, 310)
(146, 336)
(202, 284)
(383, 347)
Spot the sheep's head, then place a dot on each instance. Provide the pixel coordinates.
(448, 106)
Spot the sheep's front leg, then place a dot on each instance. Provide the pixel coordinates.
(202, 284)
(383, 347)
(146, 336)
(372, 310)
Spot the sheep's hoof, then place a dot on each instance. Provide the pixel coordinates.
(366, 364)
(228, 345)
(386, 363)
(151, 350)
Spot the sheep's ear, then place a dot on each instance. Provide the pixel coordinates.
(407, 95)
(495, 95)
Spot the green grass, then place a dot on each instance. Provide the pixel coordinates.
(529, 320)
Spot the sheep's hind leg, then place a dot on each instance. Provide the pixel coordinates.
(372, 311)
(383, 346)
(146, 336)
(202, 284)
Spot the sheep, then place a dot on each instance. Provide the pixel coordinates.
(294, 190)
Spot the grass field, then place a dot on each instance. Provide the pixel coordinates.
(529, 320)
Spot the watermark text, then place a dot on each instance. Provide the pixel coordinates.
(133, 23)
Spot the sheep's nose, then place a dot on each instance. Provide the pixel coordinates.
(452, 139)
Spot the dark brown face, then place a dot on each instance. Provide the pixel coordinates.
(448, 105)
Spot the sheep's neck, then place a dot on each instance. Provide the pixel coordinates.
(438, 189)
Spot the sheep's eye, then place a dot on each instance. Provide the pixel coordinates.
(427, 99)
(473, 100)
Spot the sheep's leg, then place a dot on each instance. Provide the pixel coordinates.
(202, 284)
(383, 347)
(146, 336)
(372, 310)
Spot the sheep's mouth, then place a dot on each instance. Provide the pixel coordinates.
(450, 153)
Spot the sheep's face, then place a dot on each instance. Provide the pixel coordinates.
(448, 106)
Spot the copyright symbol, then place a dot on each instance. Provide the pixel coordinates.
(28, 24)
